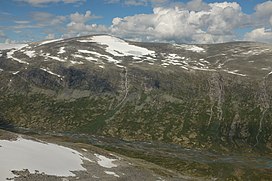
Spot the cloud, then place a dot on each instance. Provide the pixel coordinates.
(259, 35)
(45, 2)
(78, 25)
(263, 15)
(194, 22)
(9, 41)
(139, 2)
(22, 22)
(50, 36)
(264, 9)
(171, 21)
(45, 19)
(82, 18)
(197, 5)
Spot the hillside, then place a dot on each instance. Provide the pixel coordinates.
(206, 97)
(179, 93)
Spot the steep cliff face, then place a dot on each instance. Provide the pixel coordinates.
(202, 96)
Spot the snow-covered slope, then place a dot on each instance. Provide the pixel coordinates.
(101, 50)
(47, 158)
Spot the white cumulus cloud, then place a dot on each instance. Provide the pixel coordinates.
(263, 14)
(139, 2)
(204, 23)
(259, 35)
(78, 25)
(45, 2)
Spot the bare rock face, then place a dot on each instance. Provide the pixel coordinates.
(199, 96)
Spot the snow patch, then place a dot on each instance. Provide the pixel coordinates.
(111, 173)
(61, 50)
(98, 55)
(9, 55)
(30, 54)
(85, 51)
(54, 58)
(49, 158)
(105, 162)
(50, 72)
(118, 47)
(192, 48)
(235, 73)
(76, 62)
(14, 73)
(50, 41)
(269, 73)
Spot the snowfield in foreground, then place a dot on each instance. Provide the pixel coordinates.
(49, 158)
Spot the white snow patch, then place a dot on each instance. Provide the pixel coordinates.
(195, 49)
(192, 48)
(85, 51)
(184, 67)
(203, 69)
(91, 59)
(94, 176)
(14, 73)
(9, 55)
(50, 41)
(136, 58)
(105, 162)
(4, 46)
(78, 56)
(118, 47)
(50, 72)
(30, 54)
(55, 58)
(49, 158)
(111, 173)
(1, 70)
(85, 41)
(101, 66)
(61, 50)
(76, 62)
(108, 58)
(235, 73)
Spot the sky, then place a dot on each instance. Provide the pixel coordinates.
(175, 21)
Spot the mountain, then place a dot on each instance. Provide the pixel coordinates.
(205, 97)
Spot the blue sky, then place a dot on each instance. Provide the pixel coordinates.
(180, 21)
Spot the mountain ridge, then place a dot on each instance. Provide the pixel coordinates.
(198, 96)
